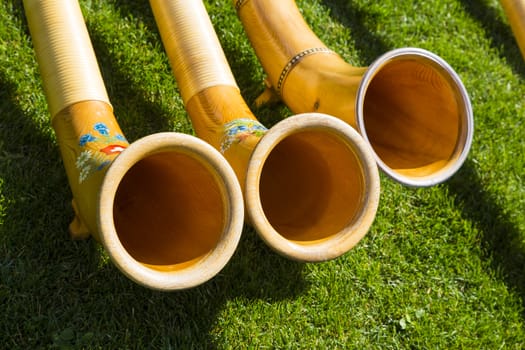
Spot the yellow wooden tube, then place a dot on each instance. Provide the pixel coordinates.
(515, 12)
(167, 208)
(409, 105)
(311, 185)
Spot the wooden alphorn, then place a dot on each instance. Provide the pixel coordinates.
(409, 105)
(311, 185)
(167, 208)
(515, 12)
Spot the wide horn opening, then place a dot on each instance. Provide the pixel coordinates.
(171, 211)
(312, 187)
(415, 113)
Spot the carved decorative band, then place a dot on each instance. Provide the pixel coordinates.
(294, 61)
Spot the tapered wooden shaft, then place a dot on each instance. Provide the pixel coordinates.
(310, 183)
(167, 208)
(409, 104)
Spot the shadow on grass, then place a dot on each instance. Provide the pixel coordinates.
(65, 293)
(253, 260)
(501, 34)
(254, 272)
(244, 67)
(501, 238)
(369, 45)
(137, 115)
(38, 261)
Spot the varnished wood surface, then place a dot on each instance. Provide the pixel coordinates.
(415, 115)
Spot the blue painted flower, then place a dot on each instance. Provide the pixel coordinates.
(259, 127)
(239, 129)
(101, 128)
(85, 139)
(120, 137)
(103, 164)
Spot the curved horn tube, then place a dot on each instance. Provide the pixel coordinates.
(515, 12)
(167, 208)
(310, 182)
(409, 105)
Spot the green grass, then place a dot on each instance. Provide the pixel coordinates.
(441, 268)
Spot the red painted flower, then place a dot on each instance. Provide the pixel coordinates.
(113, 149)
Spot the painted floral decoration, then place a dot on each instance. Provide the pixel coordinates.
(98, 148)
(238, 130)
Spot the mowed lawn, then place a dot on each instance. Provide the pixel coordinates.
(441, 267)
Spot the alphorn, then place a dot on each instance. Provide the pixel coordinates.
(409, 105)
(167, 208)
(310, 182)
(515, 12)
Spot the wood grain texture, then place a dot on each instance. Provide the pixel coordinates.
(167, 208)
(311, 185)
(412, 109)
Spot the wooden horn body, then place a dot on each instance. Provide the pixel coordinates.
(515, 12)
(311, 185)
(409, 105)
(167, 208)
